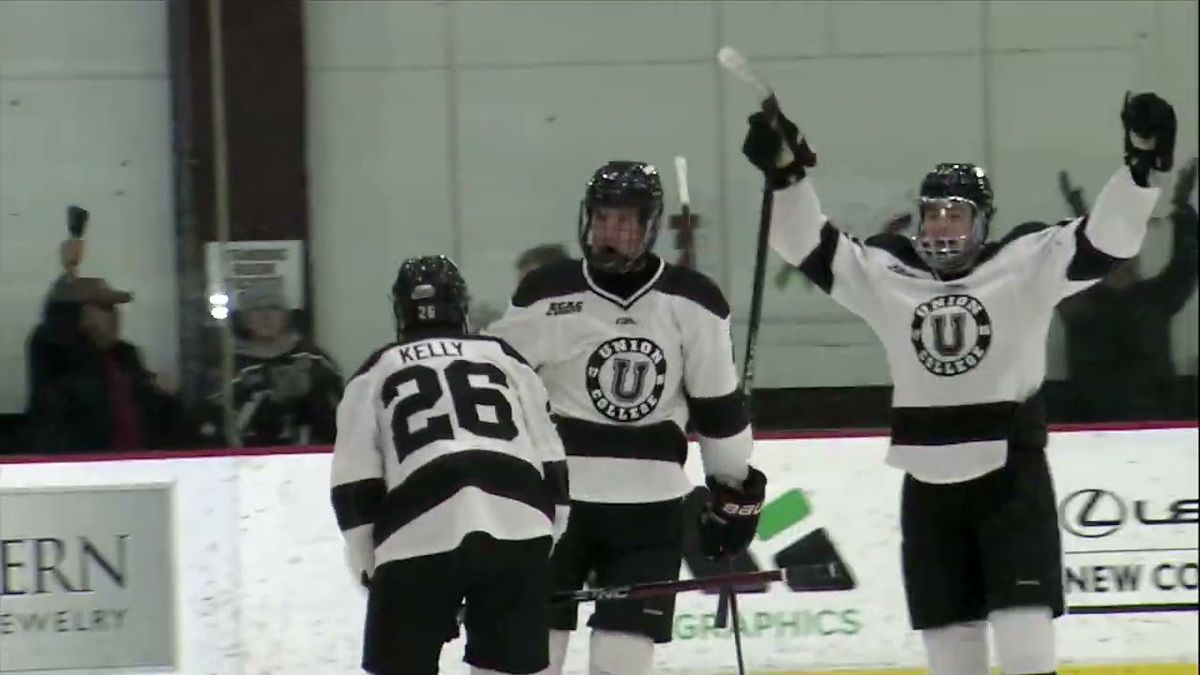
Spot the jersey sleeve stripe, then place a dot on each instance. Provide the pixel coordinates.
(556, 482)
(818, 266)
(663, 441)
(1089, 262)
(1020, 423)
(358, 503)
(492, 472)
(719, 416)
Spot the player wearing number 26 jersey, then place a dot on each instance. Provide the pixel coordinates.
(449, 485)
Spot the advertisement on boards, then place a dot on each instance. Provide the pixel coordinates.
(828, 502)
(86, 578)
(260, 527)
(1130, 519)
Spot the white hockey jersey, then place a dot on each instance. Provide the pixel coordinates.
(967, 355)
(441, 437)
(627, 370)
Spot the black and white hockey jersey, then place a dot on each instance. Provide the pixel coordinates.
(441, 437)
(967, 355)
(628, 360)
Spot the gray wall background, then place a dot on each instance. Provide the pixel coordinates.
(470, 127)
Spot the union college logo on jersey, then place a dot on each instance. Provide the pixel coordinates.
(951, 334)
(625, 378)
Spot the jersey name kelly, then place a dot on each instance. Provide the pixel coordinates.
(428, 350)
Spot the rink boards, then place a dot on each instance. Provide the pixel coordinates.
(254, 563)
(1150, 669)
(1147, 669)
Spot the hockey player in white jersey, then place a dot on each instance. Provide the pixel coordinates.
(449, 484)
(631, 348)
(964, 324)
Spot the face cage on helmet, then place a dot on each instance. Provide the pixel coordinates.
(649, 216)
(949, 255)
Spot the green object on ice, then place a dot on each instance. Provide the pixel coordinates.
(782, 512)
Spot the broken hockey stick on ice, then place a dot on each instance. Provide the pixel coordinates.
(802, 578)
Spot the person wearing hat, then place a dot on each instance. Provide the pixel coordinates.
(89, 389)
(285, 389)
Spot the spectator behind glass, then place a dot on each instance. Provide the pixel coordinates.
(538, 256)
(1118, 332)
(543, 254)
(89, 390)
(285, 389)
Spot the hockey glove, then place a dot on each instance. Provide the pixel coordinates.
(773, 145)
(729, 523)
(1149, 135)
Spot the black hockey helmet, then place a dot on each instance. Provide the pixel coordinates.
(622, 183)
(948, 183)
(429, 292)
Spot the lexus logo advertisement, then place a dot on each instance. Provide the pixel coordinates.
(1095, 513)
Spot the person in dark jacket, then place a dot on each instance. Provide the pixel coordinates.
(285, 389)
(1118, 332)
(89, 389)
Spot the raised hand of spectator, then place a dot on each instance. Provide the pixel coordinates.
(1072, 194)
(70, 254)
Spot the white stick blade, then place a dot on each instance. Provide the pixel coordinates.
(682, 179)
(738, 66)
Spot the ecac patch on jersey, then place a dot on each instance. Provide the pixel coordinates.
(625, 378)
(951, 334)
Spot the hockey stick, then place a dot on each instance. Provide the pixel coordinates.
(685, 208)
(805, 578)
(737, 65)
(731, 593)
(726, 608)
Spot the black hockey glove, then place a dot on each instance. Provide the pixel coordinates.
(1149, 135)
(728, 524)
(777, 150)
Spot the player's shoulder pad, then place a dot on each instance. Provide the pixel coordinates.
(550, 281)
(508, 349)
(693, 285)
(1026, 229)
(372, 360)
(898, 246)
(1019, 232)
